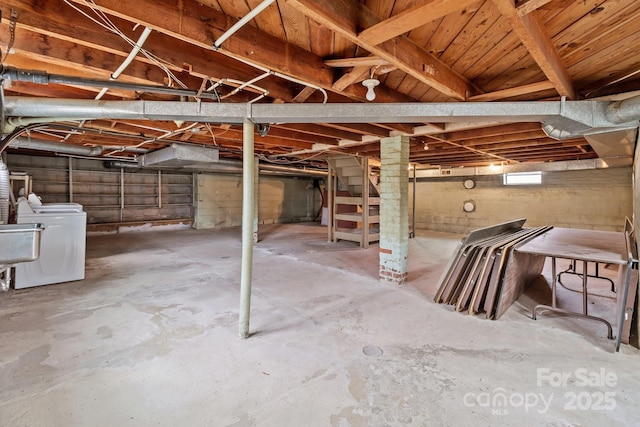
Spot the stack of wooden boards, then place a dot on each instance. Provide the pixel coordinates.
(483, 275)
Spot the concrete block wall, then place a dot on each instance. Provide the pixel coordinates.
(98, 189)
(280, 200)
(590, 199)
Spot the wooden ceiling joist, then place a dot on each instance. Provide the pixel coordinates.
(345, 17)
(428, 11)
(534, 37)
(201, 26)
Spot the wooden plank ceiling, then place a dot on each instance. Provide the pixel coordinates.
(419, 50)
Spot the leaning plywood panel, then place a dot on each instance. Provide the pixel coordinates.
(463, 246)
(493, 292)
(522, 270)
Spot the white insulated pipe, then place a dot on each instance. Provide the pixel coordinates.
(128, 59)
(248, 176)
(242, 22)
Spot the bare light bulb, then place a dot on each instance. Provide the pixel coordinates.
(370, 84)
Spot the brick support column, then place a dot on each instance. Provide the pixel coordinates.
(394, 218)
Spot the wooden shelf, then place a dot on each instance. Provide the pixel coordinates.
(356, 217)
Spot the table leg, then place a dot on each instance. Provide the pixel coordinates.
(585, 302)
(553, 282)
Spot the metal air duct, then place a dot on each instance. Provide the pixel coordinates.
(55, 147)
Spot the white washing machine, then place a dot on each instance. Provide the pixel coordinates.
(62, 243)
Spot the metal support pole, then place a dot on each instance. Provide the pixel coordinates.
(364, 243)
(248, 171)
(330, 196)
(159, 189)
(256, 198)
(121, 194)
(70, 181)
(413, 207)
(585, 295)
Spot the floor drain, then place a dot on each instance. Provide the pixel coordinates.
(372, 350)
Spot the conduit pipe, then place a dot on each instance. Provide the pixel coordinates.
(285, 77)
(241, 23)
(247, 226)
(42, 77)
(128, 59)
(13, 122)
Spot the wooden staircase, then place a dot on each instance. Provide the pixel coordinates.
(357, 177)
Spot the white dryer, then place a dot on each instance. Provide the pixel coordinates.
(62, 243)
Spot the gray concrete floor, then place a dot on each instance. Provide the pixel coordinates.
(150, 337)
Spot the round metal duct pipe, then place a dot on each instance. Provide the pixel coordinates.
(64, 148)
(557, 133)
(624, 111)
(114, 164)
(55, 147)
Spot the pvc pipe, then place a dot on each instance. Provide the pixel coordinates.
(247, 226)
(242, 22)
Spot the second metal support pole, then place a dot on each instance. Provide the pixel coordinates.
(248, 183)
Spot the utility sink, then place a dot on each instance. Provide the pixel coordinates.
(19, 243)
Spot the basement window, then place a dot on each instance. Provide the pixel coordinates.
(522, 178)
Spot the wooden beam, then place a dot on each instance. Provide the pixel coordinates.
(490, 131)
(55, 27)
(345, 17)
(199, 25)
(304, 94)
(361, 128)
(315, 129)
(368, 61)
(428, 11)
(357, 74)
(98, 64)
(527, 6)
(536, 40)
(513, 91)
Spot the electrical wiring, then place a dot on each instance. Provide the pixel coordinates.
(290, 162)
(104, 22)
